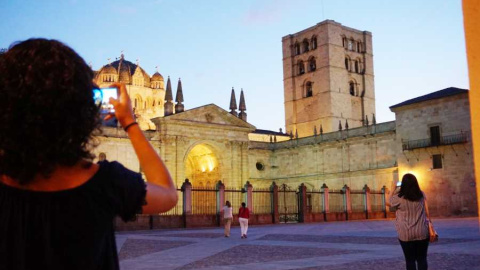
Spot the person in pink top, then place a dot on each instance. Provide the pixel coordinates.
(412, 222)
(243, 216)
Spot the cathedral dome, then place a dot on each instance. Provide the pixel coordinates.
(125, 70)
(108, 69)
(157, 77)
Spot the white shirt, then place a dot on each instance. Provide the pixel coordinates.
(227, 212)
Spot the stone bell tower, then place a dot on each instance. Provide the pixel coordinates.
(328, 78)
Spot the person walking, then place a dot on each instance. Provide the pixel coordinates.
(243, 216)
(57, 205)
(227, 217)
(412, 222)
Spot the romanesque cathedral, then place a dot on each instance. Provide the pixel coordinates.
(331, 135)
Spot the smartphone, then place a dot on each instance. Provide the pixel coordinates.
(102, 96)
(399, 183)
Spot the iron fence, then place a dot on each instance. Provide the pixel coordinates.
(204, 201)
(336, 201)
(314, 200)
(376, 199)
(262, 201)
(235, 197)
(357, 199)
(288, 204)
(445, 140)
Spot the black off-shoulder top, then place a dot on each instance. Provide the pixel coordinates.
(68, 229)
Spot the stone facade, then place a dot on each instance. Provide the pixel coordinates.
(451, 188)
(208, 144)
(328, 78)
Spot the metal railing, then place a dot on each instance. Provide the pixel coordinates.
(444, 140)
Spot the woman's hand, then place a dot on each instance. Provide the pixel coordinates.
(122, 105)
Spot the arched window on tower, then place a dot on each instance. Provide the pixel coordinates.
(347, 63)
(314, 43)
(301, 67)
(351, 85)
(357, 70)
(312, 65)
(306, 45)
(344, 42)
(359, 46)
(297, 49)
(308, 89)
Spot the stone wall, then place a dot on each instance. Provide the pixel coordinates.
(451, 189)
(355, 157)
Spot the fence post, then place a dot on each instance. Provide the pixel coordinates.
(326, 201)
(249, 196)
(302, 206)
(347, 201)
(220, 201)
(384, 205)
(274, 203)
(187, 201)
(368, 200)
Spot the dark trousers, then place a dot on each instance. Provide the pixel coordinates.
(415, 254)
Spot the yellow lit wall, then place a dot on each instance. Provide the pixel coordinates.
(471, 14)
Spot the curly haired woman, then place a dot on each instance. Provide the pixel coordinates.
(57, 206)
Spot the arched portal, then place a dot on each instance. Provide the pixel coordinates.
(202, 166)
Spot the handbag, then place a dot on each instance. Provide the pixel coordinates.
(432, 234)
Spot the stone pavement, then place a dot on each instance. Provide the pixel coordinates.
(358, 245)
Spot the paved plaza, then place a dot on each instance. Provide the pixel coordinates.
(355, 245)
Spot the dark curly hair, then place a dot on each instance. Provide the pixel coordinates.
(410, 190)
(47, 112)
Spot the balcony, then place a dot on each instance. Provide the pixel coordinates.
(445, 140)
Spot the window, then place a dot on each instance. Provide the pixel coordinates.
(260, 166)
(306, 46)
(301, 68)
(308, 89)
(344, 42)
(437, 162)
(359, 46)
(356, 66)
(297, 49)
(435, 135)
(311, 64)
(350, 45)
(314, 43)
(347, 63)
(352, 88)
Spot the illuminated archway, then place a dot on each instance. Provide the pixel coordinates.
(202, 166)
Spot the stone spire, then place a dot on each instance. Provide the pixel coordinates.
(366, 120)
(315, 130)
(339, 125)
(321, 130)
(168, 106)
(179, 98)
(242, 115)
(233, 103)
(346, 124)
(374, 121)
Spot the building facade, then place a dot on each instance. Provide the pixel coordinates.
(333, 138)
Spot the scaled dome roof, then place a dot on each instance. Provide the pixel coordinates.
(157, 77)
(125, 69)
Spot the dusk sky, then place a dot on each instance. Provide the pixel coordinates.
(418, 46)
